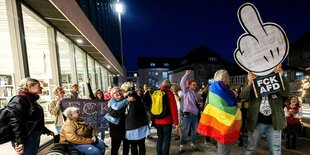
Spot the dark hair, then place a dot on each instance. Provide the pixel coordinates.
(289, 100)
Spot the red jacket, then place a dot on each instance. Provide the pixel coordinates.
(173, 116)
(291, 119)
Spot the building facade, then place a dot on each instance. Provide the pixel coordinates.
(54, 42)
(152, 71)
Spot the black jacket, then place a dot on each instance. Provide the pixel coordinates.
(136, 116)
(27, 116)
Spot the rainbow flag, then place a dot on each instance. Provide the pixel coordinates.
(221, 119)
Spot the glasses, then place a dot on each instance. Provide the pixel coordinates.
(194, 84)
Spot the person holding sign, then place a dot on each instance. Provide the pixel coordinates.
(265, 116)
(99, 96)
(55, 109)
(260, 51)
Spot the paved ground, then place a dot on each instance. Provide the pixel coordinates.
(304, 146)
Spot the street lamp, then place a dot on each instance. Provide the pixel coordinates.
(120, 9)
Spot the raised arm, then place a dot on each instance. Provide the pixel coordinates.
(91, 94)
(183, 81)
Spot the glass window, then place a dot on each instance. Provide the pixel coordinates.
(98, 75)
(6, 58)
(91, 71)
(38, 51)
(81, 70)
(66, 61)
(299, 75)
(165, 75)
(38, 36)
(212, 59)
(152, 64)
(166, 64)
(105, 83)
(150, 80)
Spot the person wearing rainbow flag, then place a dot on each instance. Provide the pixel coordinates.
(221, 118)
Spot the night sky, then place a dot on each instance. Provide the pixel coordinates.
(171, 28)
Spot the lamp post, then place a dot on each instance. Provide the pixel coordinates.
(119, 9)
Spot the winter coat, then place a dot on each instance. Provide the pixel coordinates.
(76, 132)
(27, 116)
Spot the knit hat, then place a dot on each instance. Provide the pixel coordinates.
(190, 82)
(107, 96)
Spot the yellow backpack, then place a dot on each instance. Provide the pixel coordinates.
(159, 107)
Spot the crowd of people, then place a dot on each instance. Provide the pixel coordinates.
(221, 114)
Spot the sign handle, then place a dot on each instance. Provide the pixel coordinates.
(281, 81)
(254, 89)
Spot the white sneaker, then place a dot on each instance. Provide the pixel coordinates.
(181, 150)
(194, 147)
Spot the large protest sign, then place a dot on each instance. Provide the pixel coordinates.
(92, 111)
(269, 84)
(263, 46)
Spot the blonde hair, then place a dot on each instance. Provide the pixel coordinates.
(26, 83)
(126, 86)
(166, 83)
(69, 111)
(56, 89)
(220, 75)
(114, 89)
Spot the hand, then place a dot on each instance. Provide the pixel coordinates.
(59, 101)
(88, 80)
(263, 45)
(239, 104)
(127, 93)
(94, 139)
(51, 133)
(19, 148)
(176, 126)
(278, 69)
(188, 72)
(130, 98)
(251, 77)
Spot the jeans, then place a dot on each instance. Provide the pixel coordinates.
(223, 149)
(32, 143)
(90, 149)
(58, 129)
(164, 136)
(273, 139)
(189, 122)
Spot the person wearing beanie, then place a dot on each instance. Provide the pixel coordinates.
(164, 125)
(191, 100)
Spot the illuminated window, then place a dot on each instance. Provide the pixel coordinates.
(165, 75)
(152, 64)
(212, 59)
(166, 64)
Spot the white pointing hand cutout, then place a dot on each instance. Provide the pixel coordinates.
(263, 45)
